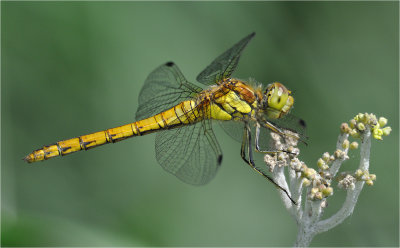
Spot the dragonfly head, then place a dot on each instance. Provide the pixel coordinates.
(277, 100)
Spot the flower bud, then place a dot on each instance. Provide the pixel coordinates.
(382, 121)
(358, 173)
(353, 123)
(386, 131)
(327, 191)
(353, 145)
(326, 157)
(345, 144)
(306, 182)
(318, 195)
(372, 177)
(361, 126)
(320, 163)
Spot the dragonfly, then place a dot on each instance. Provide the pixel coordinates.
(181, 114)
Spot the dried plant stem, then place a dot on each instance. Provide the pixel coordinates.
(308, 212)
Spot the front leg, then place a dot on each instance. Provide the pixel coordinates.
(258, 127)
(247, 149)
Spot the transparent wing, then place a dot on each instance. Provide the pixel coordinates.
(233, 129)
(164, 87)
(191, 152)
(291, 123)
(287, 122)
(223, 66)
(264, 138)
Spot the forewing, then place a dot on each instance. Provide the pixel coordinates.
(191, 152)
(223, 66)
(164, 88)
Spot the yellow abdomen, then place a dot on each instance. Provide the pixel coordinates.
(182, 114)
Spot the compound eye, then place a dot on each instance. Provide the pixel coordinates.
(278, 98)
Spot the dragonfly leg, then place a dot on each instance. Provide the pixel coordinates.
(258, 127)
(257, 141)
(247, 148)
(243, 147)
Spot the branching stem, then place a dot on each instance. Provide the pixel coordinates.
(309, 211)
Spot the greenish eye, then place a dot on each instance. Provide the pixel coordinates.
(277, 99)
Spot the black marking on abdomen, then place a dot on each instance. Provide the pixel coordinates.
(177, 115)
(157, 122)
(82, 144)
(88, 143)
(137, 129)
(116, 140)
(111, 137)
(186, 113)
(44, 150)
(61, 150)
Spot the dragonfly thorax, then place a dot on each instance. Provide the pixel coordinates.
(277, 100)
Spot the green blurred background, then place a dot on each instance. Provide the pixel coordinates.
(73, 68)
